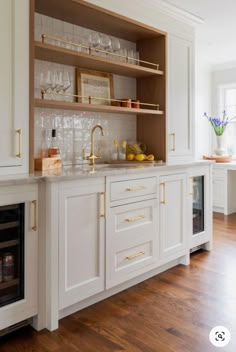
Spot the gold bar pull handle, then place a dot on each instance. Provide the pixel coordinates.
(34, 227)
(130, 257)
(173, 142)
(136, 188)
(191, 186)
(103, 195)
(163, 201)
(19, 132)
(135, 218)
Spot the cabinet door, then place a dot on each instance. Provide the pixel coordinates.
(180, 109)
(14, 85)
(26, 267)
(81, 243)
(173, 219)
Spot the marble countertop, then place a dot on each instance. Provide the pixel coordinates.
(100, 170)
(228, 166)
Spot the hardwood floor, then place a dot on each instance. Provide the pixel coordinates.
(172, 312)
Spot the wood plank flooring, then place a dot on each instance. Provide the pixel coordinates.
(172, 312)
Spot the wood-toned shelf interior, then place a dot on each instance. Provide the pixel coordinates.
(69, 57)
(85, 14)
(9, 225)
(55, 104)
(7, 244)
(7, 284)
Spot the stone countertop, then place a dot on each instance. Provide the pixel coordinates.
(227, 166)
(101, 170)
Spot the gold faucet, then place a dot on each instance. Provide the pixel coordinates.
(92, 157)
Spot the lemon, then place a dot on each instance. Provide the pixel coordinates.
(140, 157)
(130, 156)
(150, 157)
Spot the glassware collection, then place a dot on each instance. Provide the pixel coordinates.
(96, 44)
(55, 83)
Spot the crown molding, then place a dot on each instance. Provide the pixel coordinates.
(178, 13)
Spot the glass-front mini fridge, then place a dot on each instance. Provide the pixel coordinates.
(11, 253)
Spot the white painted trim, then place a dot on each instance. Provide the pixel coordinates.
(178, 13)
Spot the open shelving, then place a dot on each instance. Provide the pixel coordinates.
(69, 57)
(150, 82)
(56, 104)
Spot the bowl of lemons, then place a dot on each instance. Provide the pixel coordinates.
(136, 152)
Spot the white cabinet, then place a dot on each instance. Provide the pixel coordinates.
(200, 207)
(27, 306)
(173, 220)
(81, 240)
(180, 100)
(131, 227)
(14, 86)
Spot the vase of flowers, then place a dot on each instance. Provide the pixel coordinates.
(219, 125)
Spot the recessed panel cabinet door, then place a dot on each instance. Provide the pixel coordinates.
(81, 243)
(180, 107)
(14, 85)
(173, 216)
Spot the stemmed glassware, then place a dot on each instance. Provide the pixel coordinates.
(58, 82)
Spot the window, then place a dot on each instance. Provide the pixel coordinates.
(228, 103)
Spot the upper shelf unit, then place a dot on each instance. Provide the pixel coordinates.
(85, 14)
(48, 52)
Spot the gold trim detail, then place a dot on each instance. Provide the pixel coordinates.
(19, 132)
(130, 257)
(34, 203)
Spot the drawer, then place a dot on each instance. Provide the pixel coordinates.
(131, 240)
(134, 256)
(133, 188)
(132, 224)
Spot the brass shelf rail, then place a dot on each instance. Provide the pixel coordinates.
(90, 50)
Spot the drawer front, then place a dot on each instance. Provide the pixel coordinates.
(134, 256)
(132, 240)
(133, 188)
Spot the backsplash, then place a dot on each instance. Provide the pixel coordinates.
(73, 128)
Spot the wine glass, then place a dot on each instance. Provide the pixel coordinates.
(94, 42)
(45, 82)
(66, 83)
(58, 84)
(105, 43)
(115, 46)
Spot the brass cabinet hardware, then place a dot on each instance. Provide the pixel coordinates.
(191, 186)
(136, 188)
(19, 132)
(135, 218)
(163, 201)
(34, 203)
(173, 142)
(103, 215)
(135, 255)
